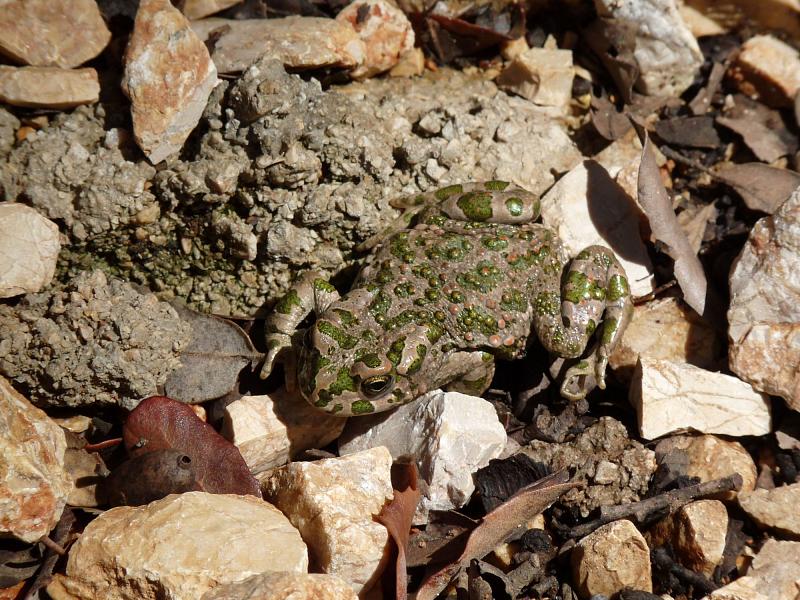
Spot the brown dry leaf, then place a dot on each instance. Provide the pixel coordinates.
(702, 101)
(657, 206)
(762, 187)
(607, 120)
(499, 525)
(150, 476)
(613, 42)
(692, 132)
(163, 423)
(397, 516)
(211, 363)
(763, 141)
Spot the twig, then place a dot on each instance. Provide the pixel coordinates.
(55, 547)
(698, 581)
(672, 500)
(103, 445)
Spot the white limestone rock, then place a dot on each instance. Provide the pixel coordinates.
(709, 457)
(764, 313)
(270, 430)
(197, 9)
(168, 77)
(298, 42)
(542, 75)
(670, 396)
(586, 206)
(284, 586)
(178, 548)
(448, 434)
(385, 30)
(333, 503)
(773, 575)
(34, 485)
(696, 531)
(774, 509)
(666, 329)
(611, 558)
(48, 87)
(29, 247)
(666, 51)
(767, 69)
(42, 33)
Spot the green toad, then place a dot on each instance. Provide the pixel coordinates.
(462, 279)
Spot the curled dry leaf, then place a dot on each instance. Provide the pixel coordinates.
(693, 132)
(762, 141)
(499, 525)
(397, 515)
(160, 423)
(614, 41)
(762, 187)
(664, 224)
(150, 476)
(211, 363)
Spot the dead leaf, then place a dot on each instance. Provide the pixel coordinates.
(762, 187)
(161, 423)
(499, 525)
(614, 41)
(763, 141)
(607, 120)
(61, 536)
(692, 132)
(397, 516)
(150, 476)
(694, 222)
(702, 101)
(211, 363)
(657, 206)
(18, 564)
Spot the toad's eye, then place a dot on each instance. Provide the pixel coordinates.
(375, 386)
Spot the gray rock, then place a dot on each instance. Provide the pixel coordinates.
(96, 341)
(293, 162)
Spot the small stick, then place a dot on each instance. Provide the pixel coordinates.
(55, 547)
(652, 295)
(672, 500)
(103, 445)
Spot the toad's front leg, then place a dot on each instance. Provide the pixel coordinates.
(310, 293)
(594, 295)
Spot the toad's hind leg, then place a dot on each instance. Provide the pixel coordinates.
(595, 295)
(473, 372)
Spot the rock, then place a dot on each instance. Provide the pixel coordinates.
(587, 207)
(666, 329)
(270, 430)
(33, 483)
(197, 9)
(775, 571)
(87, 471)
(410, 64)
(780, 15)
(288, 586)
(696, 532)
(385, 30)
(707, 457)
(513, 48)
(615, 468)
(622, 158)
(774, 509)
(699, 23)
(767, 69)
(29, 247)
(48, 87)
(541, 75)
(203, 541)
(665, 51)
(43, 34)
(164, 49)
(298, 42)
(332, 502)
(672, 396)
(449, 435)
(94, 342)
(613, 557)
(764, 315)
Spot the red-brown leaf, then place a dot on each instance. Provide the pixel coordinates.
(163, 423)
(397, 516)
